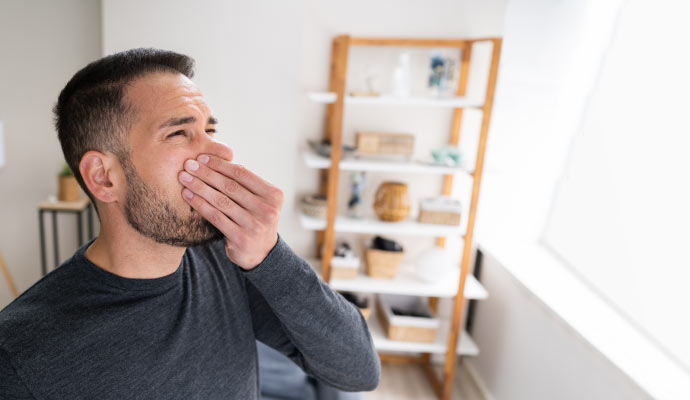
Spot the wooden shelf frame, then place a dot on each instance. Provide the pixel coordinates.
(329, 177)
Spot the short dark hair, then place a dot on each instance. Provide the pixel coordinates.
(91, 114)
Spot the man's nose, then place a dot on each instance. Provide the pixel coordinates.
(217, 148)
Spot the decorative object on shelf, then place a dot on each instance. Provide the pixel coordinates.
(442, 210)
(442, 77)
(344, 263)
(432, 264)
(383, 258)
(323, 148)
(354, 205)
(385, 144)
(315, 205)
(361, 302)
(401, 76)
(68, 188)
(407, 318)
(392, 201)
(370, 78)
(437, 76)
(447, 155)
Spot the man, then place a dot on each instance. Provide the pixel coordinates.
(188, 270)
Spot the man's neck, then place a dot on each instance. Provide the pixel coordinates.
(123, 251)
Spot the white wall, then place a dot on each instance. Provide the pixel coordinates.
(247, 65)
(528, 352)
(42, 44)
(632, 151)
(255, 62)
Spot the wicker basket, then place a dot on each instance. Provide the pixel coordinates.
(383, 263)
(315, 206)
(442, 210)
(406, 328)
(439, 217)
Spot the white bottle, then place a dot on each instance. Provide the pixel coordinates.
(401, 76)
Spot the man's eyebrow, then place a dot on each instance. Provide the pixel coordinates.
(185, 120)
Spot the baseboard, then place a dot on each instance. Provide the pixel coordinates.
(477, 379)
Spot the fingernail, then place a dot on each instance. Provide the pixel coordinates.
(203, 158)
(187, 193)
(192, 165)
(185, 177)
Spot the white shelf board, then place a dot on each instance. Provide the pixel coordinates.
(448, 102)
(407, 283)
(466, 346)
(374, 226)
(313, 160)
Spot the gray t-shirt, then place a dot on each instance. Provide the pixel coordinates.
(82, 332)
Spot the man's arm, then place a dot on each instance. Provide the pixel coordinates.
(11, 385)
(299, 315)
(293, 310)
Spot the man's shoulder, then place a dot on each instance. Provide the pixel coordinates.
(39, 304)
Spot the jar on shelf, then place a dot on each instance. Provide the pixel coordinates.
(392, 201)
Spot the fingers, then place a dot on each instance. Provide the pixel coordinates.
(221, 221)
(226, 186)
(224, 204)
(221, 150)
(257, 185)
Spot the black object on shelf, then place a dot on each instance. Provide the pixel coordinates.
(411, 313)
(361, 303)
(381, 243)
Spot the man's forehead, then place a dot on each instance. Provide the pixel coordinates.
(164, 92)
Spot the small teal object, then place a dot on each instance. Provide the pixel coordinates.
(447, 155)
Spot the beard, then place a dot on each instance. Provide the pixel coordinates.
(152, 215)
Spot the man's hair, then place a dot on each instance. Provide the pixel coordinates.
(91, 112)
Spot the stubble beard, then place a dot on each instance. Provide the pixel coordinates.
(152, 215)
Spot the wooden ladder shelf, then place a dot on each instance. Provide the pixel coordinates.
(329, 177)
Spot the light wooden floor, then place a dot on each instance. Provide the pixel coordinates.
(408, 382)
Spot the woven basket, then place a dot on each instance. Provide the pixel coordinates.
(407, 329)
(383, 263)
(439, 217)
(314, 207)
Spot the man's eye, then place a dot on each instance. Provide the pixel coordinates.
(176, 134)
(210, 131)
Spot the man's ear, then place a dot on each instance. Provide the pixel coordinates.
(103, 175)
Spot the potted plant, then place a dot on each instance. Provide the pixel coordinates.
(68, 187)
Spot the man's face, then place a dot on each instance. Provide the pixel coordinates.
(172, 124)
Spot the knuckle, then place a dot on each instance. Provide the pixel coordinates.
(241, 172)
(223, 201)
(230, 187)
(272, 214)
